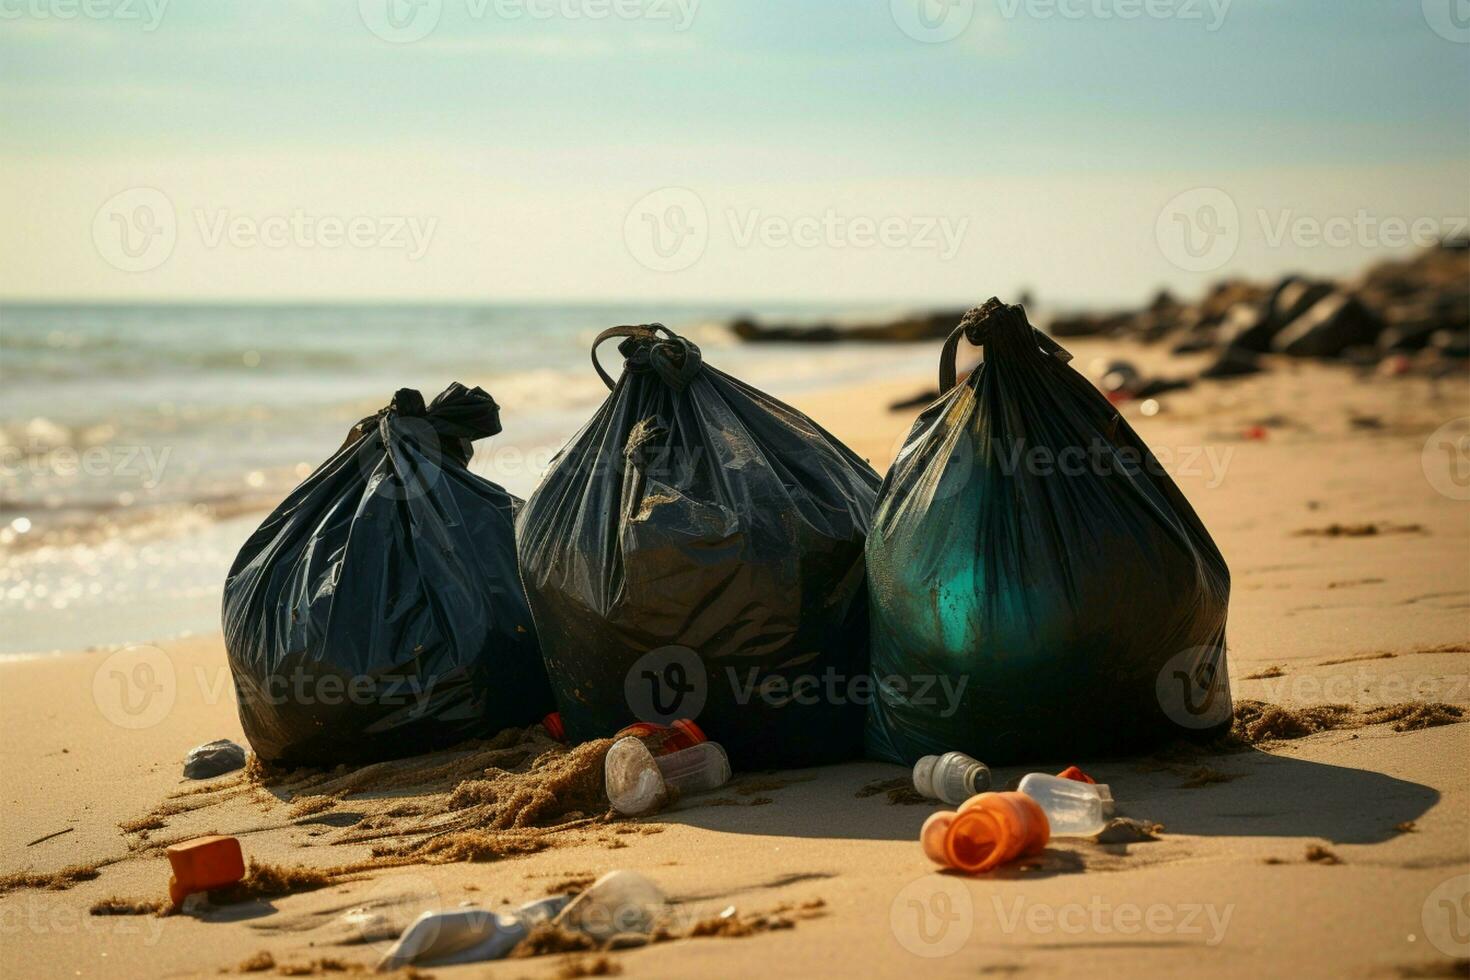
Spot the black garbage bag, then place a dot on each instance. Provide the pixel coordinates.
(697, 551)
(1040, 590)
(378, 612)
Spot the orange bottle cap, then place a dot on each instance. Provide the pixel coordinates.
(688, 726)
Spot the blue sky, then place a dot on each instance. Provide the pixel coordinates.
(1055, 136)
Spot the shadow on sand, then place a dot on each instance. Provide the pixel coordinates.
(1265, 796)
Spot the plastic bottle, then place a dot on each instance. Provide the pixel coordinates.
(467, 934)
(1073, 809)
(989, 830)
(639, 782)
(953, 777)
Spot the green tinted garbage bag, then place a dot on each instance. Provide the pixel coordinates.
(697, 551)
(378, 611)
(1039, 588)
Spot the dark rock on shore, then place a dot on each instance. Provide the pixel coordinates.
(1335, 324)
(906, 330)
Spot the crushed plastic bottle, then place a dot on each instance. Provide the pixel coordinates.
(952, 777)
(619, 902)
(638, 782)
(1074, 809)
(468, 934)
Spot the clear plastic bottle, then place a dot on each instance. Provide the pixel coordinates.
(1073, 809)
(638, 782)
(953, 777)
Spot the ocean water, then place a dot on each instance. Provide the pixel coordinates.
(140, 444)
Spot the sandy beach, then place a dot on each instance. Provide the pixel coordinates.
(1339, 854)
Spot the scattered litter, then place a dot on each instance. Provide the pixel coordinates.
(950, 778)
(639, 782)
(986, 832)
(1407, 827)
(1073, 808)
(1321, 855)
(204, 864)
(213, 759)
(619, 901)
(1266, 673)
(467, 935)
(1126, 830)
(1076, 773)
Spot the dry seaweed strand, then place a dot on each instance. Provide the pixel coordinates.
(600, 966)
(53, 880)
(1258, 721)
(899, 791)
(115, 905)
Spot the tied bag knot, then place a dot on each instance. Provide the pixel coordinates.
(675, 359)
(457, 416)
(994, 326)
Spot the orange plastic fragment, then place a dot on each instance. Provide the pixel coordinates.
(202, 864)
